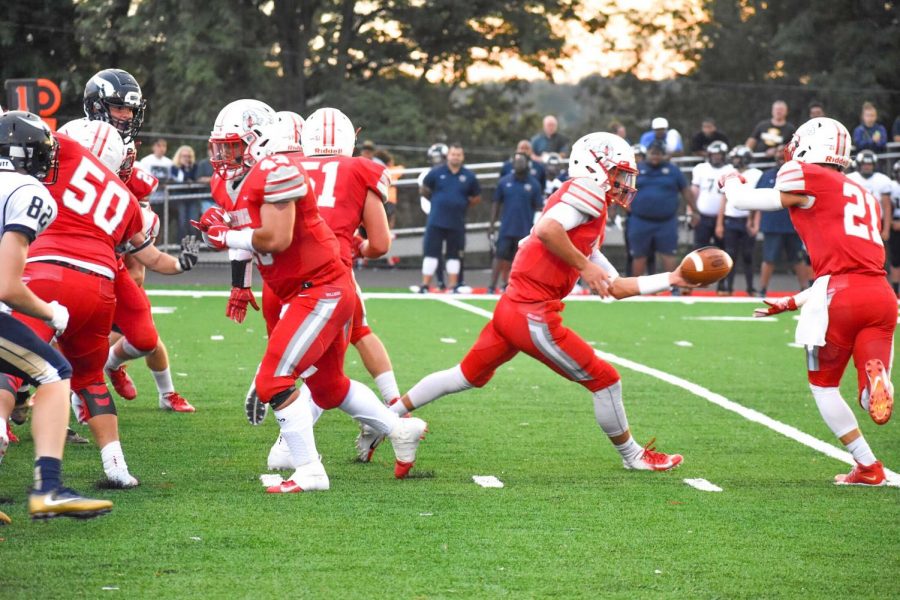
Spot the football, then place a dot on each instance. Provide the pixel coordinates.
(706, 265)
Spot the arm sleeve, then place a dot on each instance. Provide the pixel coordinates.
(498, 192)
(566, 215)
(680, 181)
(241, 271)
(428, 180)
(474, 187)
(601, 261)
(29, 210)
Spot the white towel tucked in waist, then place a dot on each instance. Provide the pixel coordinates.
(813, 321)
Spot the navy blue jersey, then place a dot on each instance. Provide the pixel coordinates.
(450, 193)
(658, 191)
(521, 198)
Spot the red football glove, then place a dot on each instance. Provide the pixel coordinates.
(776, 306)
(357, 246)
(215, 215)
(237, 304)
(725, 178)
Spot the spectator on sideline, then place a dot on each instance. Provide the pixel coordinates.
(708, 134)
(452, 189)
(554, 174)
(653, 222)
(204, 175)
(367, 150)
(640, 152)
(736, 227)
(160, 166)
(779, 235)
(895, 130)
(390, 205)
(618, 129)
(517, 197)
(770, 133)
(535, 168)
(815, 110)
(184, 170)
(660, 132)
(869, 134)
(549, 140)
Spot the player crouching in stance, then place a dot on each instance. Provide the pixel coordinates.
(564, 245)
(28, 156)
(851, 310)
(271, 212)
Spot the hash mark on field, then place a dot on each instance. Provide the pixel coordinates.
(703, 485)
(163, 310)
(750, 414)
(487, 481)
(749, 319)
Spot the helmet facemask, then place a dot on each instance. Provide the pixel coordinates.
(623, 185)
(228, 157)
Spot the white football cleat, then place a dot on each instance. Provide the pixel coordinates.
(366, 442)
(308, 478)
(651, 460)
(121, 479)
(280, 456)
(405, 438)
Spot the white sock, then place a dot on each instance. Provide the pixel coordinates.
(362, 404)
(163, 381)
(387, 385)
(113, 457)
(314, 409)
(630, 450)
(296, 428)
(609, 411)
(835, 412)
(433, 387)
(861, 452)
(113, 362)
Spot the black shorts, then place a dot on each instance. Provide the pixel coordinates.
(23, 354)
(506, 247)
(436, 237)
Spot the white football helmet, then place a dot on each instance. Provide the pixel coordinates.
(609, 161)
(290, 125)
(820, 141)
(245, 132)
(100, 138)
(328, 131)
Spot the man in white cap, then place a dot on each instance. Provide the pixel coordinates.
(659, 130)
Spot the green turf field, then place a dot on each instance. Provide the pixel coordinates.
(569, 523)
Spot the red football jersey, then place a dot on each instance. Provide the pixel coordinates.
(313, 258)
(97, 213)
(341, 184)
(537, 274)
(842, 227)
(141, 183)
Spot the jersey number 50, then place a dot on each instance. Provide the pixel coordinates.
(109, 211)
(856, 209)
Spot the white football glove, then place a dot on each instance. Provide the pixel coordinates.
(60, 319)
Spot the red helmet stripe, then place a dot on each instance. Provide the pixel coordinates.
(102, 141)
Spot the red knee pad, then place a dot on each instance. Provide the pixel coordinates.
(604, 377)
(474, 373)
(144, 339)
(328, 394)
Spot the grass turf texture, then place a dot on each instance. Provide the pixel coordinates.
(569, 523)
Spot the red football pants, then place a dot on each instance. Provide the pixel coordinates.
(862, 316)
(537, 330)
(132, 315)
(91, 302)
(312, 332)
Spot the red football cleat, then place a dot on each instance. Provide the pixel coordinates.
(122, 383)
(10, 434)
(872, 475)
(651, 460)
(881, 392)
(285, 487)
(174, 402)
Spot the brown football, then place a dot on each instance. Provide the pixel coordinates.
(706, 265)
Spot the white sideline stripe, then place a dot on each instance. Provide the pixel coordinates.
(487, 481)
(703, 485)
(719, 400)
(162, 310)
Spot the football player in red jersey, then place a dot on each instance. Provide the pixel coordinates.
(350, 190)
(851, 310)
(75, 262)
(563, 246)
(270, 210)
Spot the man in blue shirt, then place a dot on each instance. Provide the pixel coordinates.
(452, 189)
(779, 234)
(549, 140)
(653, 220)
(518, 195)
(869, 134)
(535, 168)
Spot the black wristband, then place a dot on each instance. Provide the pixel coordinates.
(239, 278)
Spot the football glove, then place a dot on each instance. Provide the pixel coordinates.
(358, 242)
(776, 306)
(236, 310)
(724, 179)
(190, 252)
(60, 319)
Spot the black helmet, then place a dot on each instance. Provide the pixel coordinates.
(719, 148)
(26, 144)
(741, 156)
(115, 87)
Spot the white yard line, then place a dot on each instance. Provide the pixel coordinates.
(750, 414)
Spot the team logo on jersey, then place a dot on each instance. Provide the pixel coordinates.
(665, 170)
(527, 187)
(462, 178)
